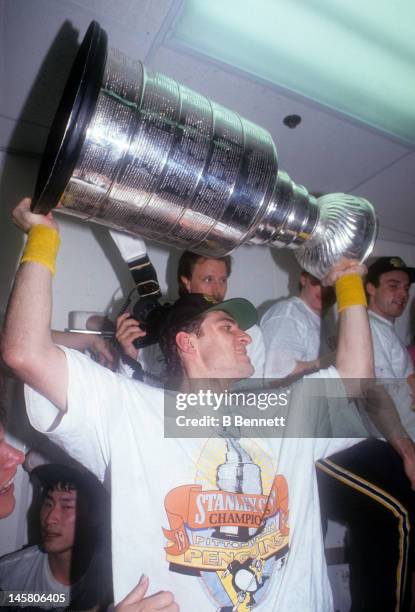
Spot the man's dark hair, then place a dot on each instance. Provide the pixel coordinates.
(187, 262)
(387, 264)
(373, 281)
(91, 551)
(314, 279)
(86, 506)
(174, 371)
(60, 484)
(56, 477)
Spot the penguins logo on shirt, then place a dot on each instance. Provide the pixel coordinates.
(230, 527)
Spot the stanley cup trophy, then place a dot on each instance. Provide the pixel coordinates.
(137, 151)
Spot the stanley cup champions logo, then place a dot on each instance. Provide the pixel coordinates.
(231, 526)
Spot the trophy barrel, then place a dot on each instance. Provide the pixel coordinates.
(136, 151)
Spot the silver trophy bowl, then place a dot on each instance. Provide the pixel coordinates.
(136, 151)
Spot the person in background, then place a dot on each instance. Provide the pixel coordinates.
(387, 284)
(292, 335)
(195, 274)
(291, 330)
(365, 486)
(72, 560)
(10, 459)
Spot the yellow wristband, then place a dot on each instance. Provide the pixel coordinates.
(42, 246)
(350, 292)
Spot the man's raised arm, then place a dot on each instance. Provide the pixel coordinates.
(27, 345)
(354, 356)
(355, 362)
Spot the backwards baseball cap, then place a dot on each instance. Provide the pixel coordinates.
(192, 305)
(388, 264)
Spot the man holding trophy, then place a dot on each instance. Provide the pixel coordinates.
(111, 423)
(223, 523)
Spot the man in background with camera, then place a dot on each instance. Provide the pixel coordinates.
(195, 274)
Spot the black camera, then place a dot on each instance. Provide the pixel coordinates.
(150, 313)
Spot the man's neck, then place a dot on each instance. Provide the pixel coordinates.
(194, 385)
(309, 307)
(376, 311)
(60, 566)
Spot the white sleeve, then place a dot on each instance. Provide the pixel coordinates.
(338, 401)
(331, 385)
(130, 247)
(125, 369)
(328, 446)
(97, 404)
(284, 345)
(310, 402)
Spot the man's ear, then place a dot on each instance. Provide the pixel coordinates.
(186, 282)
(302, 280)
(185, 342)
(370, 289)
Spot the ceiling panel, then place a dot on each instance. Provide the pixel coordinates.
(325, 152)
(137, 17)
(39, 42)
(356, 57)
(393, 190)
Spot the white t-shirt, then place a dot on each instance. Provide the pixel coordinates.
(28, 571)
(169, 512)
(291, 332)
(392, 361)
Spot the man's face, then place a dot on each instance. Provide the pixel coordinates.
(58, 520)
(312, 293)
(221, 348)
(209, 276)
(10, 458)
(390, 298)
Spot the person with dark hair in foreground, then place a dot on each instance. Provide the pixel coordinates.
(223, 523)
(71, 565)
